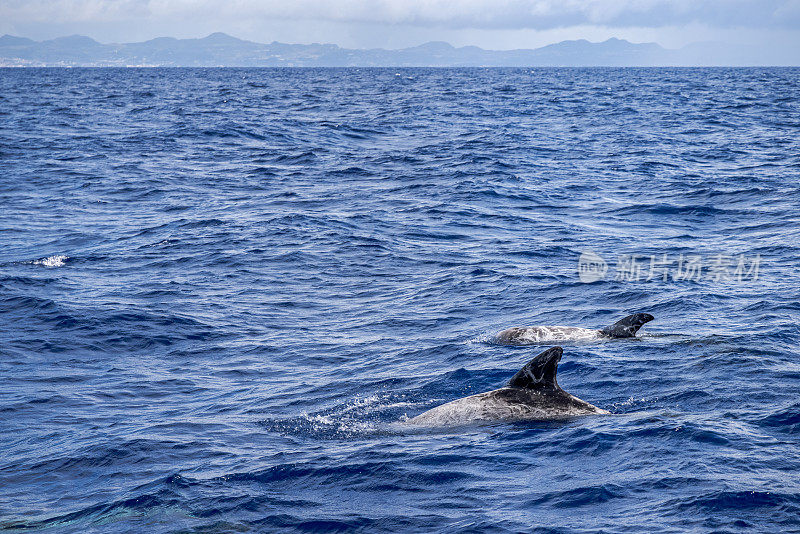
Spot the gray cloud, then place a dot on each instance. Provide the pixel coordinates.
(451, 14)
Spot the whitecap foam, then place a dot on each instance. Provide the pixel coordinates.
(52, 261)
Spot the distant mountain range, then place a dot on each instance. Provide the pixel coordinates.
(219, 49)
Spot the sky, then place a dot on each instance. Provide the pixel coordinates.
(490, 24)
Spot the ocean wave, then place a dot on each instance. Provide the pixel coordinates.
(223, 291)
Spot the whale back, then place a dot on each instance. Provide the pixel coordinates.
(532, 394)
(540, 372)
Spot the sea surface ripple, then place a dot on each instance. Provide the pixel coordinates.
(222, 291)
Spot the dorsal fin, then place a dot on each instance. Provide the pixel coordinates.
(540, 372)
(628, 326)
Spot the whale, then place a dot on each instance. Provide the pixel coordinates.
(522, 335)
(531, 395)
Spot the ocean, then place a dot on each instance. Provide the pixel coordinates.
(223, 291)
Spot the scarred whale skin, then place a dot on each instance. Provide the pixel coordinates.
(532, 394)
(526, 335)
(506, 404)
(535, 334)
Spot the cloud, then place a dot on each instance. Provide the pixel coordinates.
(451, 14)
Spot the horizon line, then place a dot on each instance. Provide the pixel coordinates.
(224, 34)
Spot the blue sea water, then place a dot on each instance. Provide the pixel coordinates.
(223, 290)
